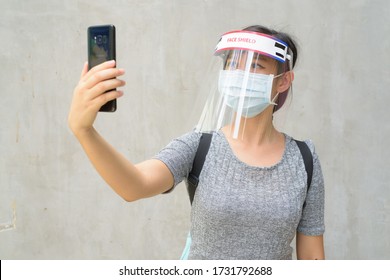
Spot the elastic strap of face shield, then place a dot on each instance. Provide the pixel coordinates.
(284, 68)
(288, 64)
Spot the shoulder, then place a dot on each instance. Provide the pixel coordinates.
(312, 148)
(191, 139)
(183, 146)
(295, 149)
(308, 142)
(315, 159)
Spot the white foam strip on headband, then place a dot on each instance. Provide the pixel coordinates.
(257, 42)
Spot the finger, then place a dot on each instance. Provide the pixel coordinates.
(99, 67)
(85, 69)
(102, 75)
(104, 98)
(104, 86)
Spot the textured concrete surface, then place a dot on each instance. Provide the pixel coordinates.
(52, 203)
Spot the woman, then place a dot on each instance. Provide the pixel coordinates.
(252, 196)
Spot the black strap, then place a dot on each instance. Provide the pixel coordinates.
(200, 156)
(307, 159)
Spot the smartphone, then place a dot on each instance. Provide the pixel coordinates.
(101, 48)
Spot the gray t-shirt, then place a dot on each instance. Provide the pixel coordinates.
(246, 212)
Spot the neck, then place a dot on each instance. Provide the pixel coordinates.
(255, 131)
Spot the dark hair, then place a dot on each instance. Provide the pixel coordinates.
(279, 35)
(282, 67)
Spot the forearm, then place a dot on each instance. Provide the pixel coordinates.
(311, 256)
(95, 88)
(310, 247)
(123, 176)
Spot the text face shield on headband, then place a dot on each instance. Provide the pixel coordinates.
(248, 63)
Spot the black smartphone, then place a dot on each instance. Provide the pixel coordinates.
(101, 48)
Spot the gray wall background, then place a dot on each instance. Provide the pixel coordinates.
(53, 205)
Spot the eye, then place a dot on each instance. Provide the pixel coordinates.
(257, 66)
(231, 64)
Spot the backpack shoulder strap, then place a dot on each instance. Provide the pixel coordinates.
(200, 156)
(307, 159)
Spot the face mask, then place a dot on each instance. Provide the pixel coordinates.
(253, 90)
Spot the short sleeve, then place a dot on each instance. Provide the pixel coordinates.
(312, 219)
(179, 155)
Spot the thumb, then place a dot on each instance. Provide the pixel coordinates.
(85, 70)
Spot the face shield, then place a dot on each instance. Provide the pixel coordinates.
(248, 79)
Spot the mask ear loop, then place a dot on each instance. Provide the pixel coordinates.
(275, 98)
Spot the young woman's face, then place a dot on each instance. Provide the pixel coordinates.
(260, 64)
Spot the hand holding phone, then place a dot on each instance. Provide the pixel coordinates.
(101, 48)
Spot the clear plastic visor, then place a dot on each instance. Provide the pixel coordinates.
(242, 91)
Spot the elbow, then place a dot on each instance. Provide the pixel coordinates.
(126, 192)
(128, 198)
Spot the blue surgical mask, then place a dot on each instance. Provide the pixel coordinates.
(248, 92)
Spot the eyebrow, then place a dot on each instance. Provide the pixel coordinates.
(261, 57)
(256, 57)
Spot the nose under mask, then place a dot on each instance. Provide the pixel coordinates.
(246, 93)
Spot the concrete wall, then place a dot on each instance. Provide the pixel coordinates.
(53, 205)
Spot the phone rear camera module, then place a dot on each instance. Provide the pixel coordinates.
(99, 39)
